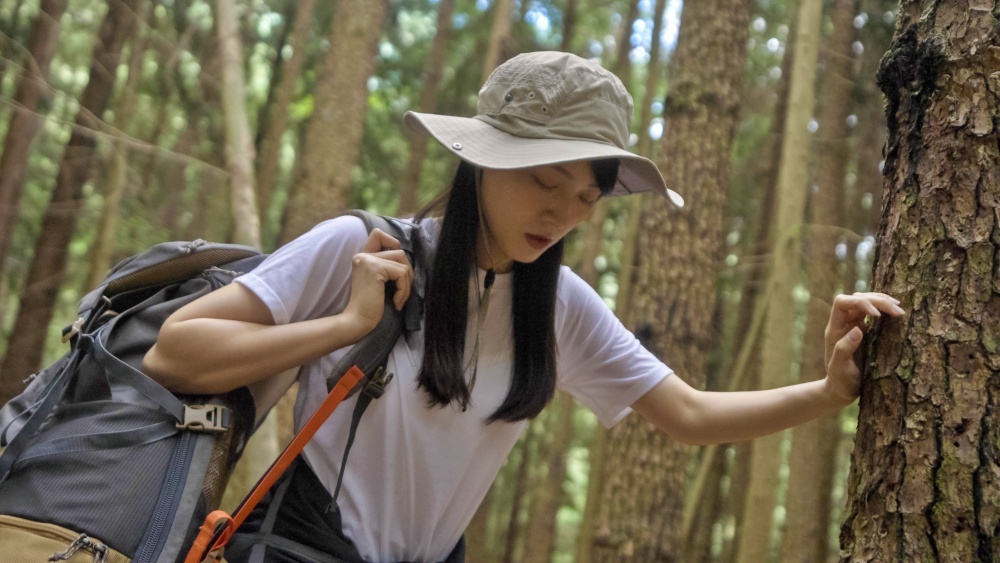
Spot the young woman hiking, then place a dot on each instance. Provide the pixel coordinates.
(504, 324)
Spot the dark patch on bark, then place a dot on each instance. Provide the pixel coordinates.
(911, 68)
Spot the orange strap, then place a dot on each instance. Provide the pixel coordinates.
(219, 527)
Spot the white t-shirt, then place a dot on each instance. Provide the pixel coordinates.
(416, 475)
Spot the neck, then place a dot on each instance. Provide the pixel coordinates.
(485, 260)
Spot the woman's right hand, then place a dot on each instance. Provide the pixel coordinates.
(380, 261)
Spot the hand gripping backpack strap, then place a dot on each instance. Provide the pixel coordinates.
(362, 368)
(371, 355)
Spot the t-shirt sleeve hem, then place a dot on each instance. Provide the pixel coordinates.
(633, 394)
(267, 295)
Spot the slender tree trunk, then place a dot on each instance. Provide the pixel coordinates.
(812, 460)
(277, 115)
(498, 50)
(30, 93)
(698, 546)
(334, 132)
(541, 540)
(569, 26)
(239, 142)
(433, 68)
(623, 64)
(173, 177)
(11, 37)
(107, 225)
(924, 484)
(519, 494)
(477, 546)
(48, 266)
(653, 69)
(752, 309)
(776, 350)
(673, 291)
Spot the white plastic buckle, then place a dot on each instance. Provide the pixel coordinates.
(205, 418)
(73, 330)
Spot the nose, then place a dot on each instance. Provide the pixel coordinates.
(557, 207)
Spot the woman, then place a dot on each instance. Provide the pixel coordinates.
(504, 324)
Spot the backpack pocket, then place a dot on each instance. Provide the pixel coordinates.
(26, 540)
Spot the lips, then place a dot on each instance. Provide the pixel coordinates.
(539, 242)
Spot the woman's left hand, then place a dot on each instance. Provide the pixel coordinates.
(843, 335)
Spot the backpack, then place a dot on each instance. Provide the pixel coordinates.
(101, 463)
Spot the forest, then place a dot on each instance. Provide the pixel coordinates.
(820, 147)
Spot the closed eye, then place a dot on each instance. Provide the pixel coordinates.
(541, 183)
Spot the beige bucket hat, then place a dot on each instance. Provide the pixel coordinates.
(545, 108)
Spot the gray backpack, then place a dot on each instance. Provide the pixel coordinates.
(99, 460)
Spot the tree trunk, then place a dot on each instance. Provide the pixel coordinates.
(653, 69)
(541, 541)
(107, 225)
(752, 309)
(10, 36)
(623, 64)
(433, 68)
(239, 142)
(48, 266)
(776, 348)
(333, 136)
(698, 546)
(519, 492)
(812, 460)
(924, 484)
(498, 49)
(30, 92)
(569, 26)
(277, 116)
(673, 291)
(477, 546)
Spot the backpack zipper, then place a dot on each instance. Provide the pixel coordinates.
(151, 541)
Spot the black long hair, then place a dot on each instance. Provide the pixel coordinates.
(446, 307)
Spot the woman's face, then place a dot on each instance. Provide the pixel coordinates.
(527, 210)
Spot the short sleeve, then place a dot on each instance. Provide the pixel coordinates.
(309, 277)
(601, 363)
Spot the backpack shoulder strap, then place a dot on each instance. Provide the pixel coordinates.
(363, 368)
(371, 353)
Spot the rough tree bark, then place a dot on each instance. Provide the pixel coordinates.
(48, 265)
(674, 277)
(812, 460)
(333, 135)
(925, 484)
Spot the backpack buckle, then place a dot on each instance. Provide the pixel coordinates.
(378, 382)
(72, 330)
(205, 418)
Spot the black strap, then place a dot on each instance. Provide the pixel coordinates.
(364, 400)
(50, 399)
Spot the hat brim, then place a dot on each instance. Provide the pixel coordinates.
(479, 143)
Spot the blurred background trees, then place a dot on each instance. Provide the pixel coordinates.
(130, 122)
